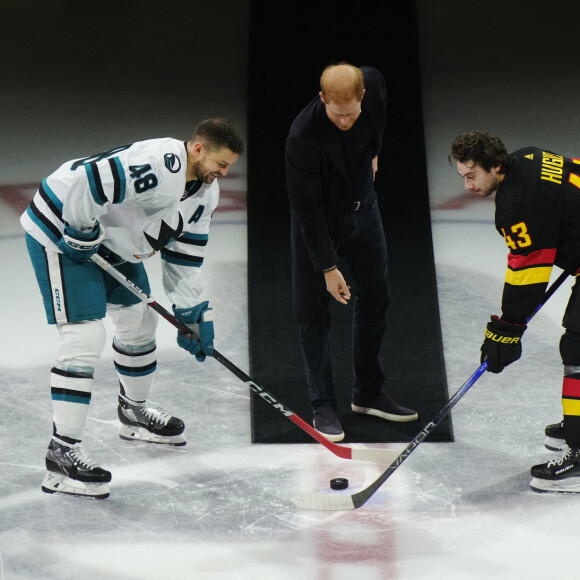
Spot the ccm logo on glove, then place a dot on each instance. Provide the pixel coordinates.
(199, 320)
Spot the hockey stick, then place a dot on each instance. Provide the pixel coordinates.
(383, 456)
(319, 501)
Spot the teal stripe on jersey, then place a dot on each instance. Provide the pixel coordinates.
(52, 195)
(194, 239)
(119, 178)
(95, 184)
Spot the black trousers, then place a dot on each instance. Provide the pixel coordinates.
(363, 246)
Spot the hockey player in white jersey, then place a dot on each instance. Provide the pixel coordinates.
(128, 204)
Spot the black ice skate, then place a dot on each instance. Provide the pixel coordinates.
(72, 472)
(555, 440)
(558, 475)
(146, 421)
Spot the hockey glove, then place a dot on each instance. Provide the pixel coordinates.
(80, 246)
(200, 342)
(502, 345)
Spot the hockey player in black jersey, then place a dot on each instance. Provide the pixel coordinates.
(538, 214)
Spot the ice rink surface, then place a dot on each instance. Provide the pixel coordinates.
(221, 507)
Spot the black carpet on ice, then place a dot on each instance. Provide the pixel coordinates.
(289, 46)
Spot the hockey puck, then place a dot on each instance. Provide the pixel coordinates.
(339, 483)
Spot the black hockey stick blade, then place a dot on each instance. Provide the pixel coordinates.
(318, 501)
(327, 501)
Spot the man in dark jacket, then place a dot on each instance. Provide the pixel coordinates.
(331, 160)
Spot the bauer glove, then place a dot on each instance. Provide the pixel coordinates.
(200, 342)
(502, 345)
(80, 246)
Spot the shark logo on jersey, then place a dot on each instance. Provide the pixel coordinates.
(166, 235)
(172, 162)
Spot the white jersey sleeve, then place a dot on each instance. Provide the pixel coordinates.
(183, 257)
(133, 190)
(139, 194)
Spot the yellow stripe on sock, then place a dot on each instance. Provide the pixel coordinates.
(571, 407)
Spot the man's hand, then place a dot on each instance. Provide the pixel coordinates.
(336, 285)
(375, 163)
(502, 345)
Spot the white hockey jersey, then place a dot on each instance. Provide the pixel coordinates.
(139, 194)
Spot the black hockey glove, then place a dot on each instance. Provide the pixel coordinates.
(502, 345)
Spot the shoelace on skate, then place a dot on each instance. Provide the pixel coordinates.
(154, 411)
(562, 459)
(78, 453)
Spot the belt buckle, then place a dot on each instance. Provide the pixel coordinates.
(355, 206)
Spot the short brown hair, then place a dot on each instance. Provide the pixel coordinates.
(341, 82)
(217, 133)
(483, 149)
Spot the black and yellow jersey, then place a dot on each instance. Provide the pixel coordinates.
(538, 214)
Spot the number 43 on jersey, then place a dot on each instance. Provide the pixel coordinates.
(520, 238)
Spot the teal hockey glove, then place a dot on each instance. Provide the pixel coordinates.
(80, 246)
(200, 342)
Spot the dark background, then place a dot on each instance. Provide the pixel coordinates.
(288, 48)
(79, 77)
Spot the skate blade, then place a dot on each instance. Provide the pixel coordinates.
(141, 434)
(62, 485)
(568, 485)
(555, 444)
